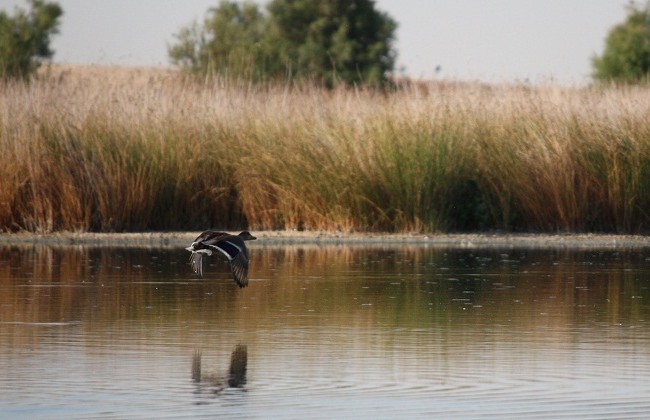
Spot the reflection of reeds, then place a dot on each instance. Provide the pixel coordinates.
(115, 150)
(344, 286)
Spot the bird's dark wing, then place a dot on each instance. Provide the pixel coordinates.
(234, 249)
(211, 237)
(239, 267)
(231, 246)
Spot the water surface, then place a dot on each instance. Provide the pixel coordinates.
(325, 331)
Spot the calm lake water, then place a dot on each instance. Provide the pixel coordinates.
(324, 331)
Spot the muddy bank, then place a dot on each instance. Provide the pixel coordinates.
(479, 240)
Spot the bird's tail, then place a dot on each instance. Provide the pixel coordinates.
(196, 259)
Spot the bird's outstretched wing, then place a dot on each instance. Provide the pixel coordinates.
(239, 266)
(234, 249)
(197, 262)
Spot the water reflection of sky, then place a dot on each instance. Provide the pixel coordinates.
(328, 330)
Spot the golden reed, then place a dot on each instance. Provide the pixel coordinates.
(115, 149)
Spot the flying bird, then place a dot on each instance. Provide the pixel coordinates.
(232, 246)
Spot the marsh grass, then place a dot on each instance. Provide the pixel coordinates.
(110, 149)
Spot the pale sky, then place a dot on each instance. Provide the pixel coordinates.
(484, 40)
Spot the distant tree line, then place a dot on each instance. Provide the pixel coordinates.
(328, 42)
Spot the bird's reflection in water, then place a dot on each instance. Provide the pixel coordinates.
(216, 383)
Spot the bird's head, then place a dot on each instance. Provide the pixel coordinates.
(246, 235)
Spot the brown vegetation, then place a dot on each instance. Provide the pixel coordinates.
(110, 149)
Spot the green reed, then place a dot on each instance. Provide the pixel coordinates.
(113, 150)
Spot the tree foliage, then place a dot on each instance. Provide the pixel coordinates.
(232, 42)
(327, 41)
(25, 38)
(626, 57)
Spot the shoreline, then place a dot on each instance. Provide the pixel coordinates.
(279, 238)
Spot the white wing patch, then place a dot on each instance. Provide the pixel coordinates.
(197, 262)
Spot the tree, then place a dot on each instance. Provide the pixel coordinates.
(626, 57)
(25, 38)
(326, 41)
(231, 43)
(335, 40)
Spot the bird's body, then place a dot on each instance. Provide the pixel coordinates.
(232, 246)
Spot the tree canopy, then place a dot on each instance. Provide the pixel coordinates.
(626, 57)
(328, 42)
(25, 38)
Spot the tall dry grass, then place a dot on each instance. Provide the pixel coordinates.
(122, 149)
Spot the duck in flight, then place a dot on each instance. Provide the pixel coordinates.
(232, 246)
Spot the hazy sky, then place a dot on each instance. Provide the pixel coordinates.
(488, 40)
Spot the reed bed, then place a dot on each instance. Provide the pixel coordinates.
(110, 149)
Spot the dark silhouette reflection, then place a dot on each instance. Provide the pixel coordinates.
(216, 383)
